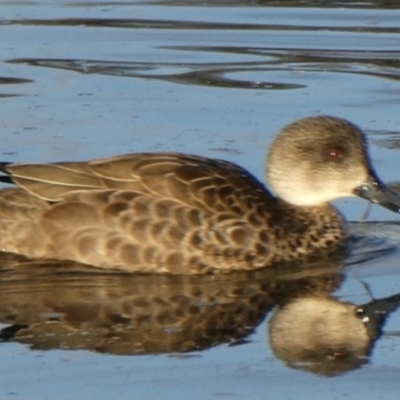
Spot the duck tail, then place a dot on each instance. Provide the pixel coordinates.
(3, 169)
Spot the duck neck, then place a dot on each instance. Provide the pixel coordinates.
(309, 229)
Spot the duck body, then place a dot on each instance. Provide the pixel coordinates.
(183, 214)
(167, 212)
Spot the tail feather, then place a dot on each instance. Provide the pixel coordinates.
(5, 178)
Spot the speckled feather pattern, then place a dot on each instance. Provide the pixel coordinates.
(158, 212)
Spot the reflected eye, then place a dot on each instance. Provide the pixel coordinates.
(335, 154)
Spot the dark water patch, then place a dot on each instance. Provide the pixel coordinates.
(384, 65)
(310, 25)
(381, 4)
(204, 74)
(216, 79)
(385, 139)
(374, 240)
(13, 81)
(6, 95)
(380, 64)
(369, 248)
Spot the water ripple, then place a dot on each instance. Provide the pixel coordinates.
(236, 74)
(195, 74)
(311, 25)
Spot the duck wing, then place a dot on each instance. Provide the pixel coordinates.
(192, 180)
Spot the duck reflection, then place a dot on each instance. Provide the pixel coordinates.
(63, 305)
(66, 305)
(325, 336)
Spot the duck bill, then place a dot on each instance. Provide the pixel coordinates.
(375, 191)
(375, 313)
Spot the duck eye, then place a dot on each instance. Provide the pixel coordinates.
(335, 154)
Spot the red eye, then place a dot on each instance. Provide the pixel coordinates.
(335, 154)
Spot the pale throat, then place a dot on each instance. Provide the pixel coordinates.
(309, 195)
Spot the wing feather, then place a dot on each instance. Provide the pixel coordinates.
(192, 180)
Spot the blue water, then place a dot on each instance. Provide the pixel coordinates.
(81, 80)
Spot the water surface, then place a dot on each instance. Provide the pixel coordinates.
(81, 80)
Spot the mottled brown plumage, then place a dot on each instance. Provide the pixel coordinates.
(185, 214)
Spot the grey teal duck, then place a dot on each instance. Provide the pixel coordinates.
(184, 214)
